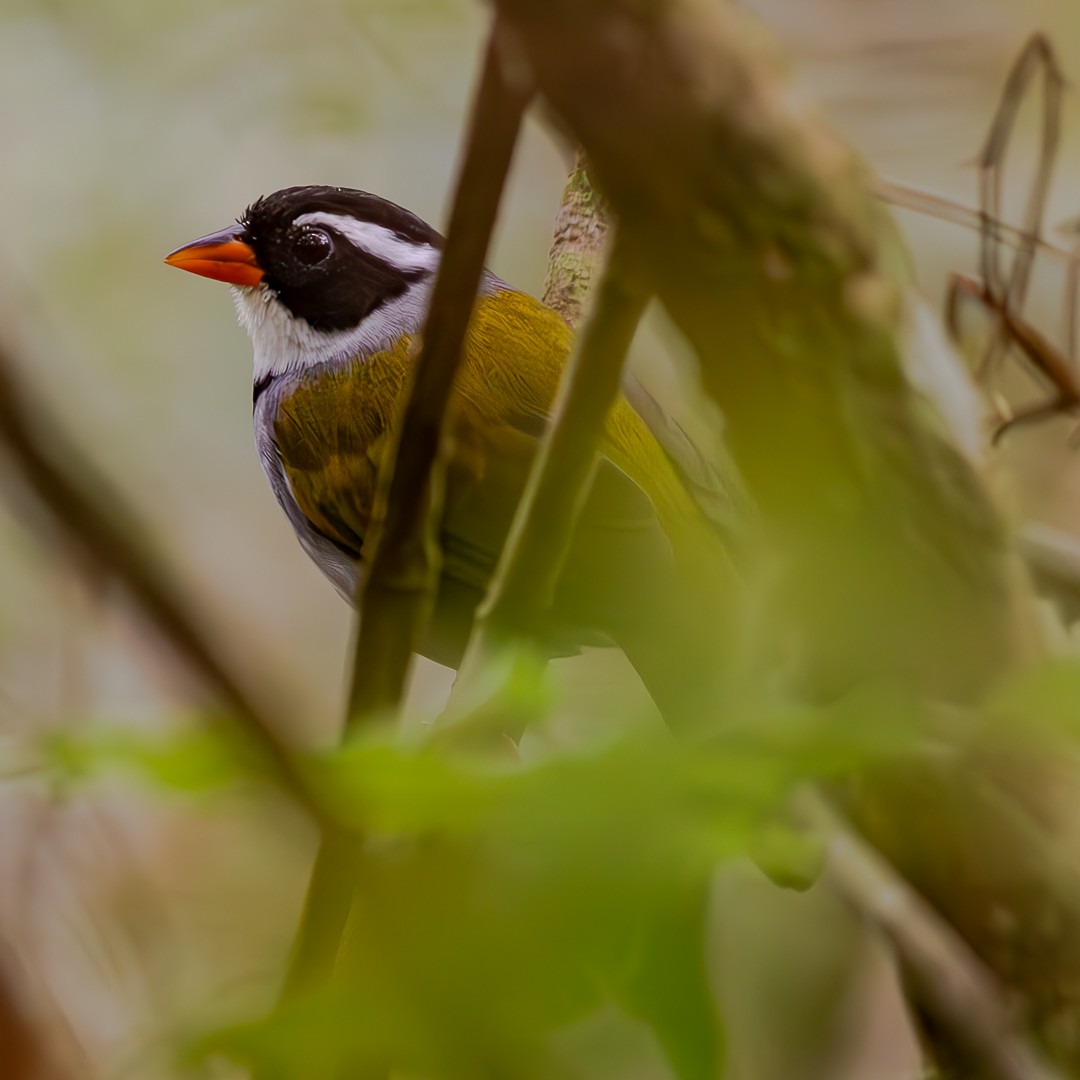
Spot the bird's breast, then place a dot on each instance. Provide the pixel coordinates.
(323, 434)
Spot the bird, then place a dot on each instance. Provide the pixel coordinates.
(332, 286)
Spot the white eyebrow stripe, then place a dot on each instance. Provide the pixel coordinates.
(376, 240)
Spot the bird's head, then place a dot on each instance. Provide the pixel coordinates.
(320, 274)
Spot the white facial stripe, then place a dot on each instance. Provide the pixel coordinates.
(284, 343)
(381, 242)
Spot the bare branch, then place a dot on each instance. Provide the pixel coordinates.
(576, 257)
(401, 581)
(949, 980)
(396, 598)
(1043, 357)
(95, 520)
(907, 197)
(540, 535)
(1009, 291)
(757, 230)
(1038, 55)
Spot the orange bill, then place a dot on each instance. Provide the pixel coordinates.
(223, 256)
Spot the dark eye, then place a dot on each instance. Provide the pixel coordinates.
(312, 246)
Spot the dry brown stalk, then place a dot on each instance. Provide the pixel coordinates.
(558, 482)
(952, 983)
(397, 593)
(95, 521)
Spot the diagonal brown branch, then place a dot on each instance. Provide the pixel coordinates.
(1038, 55)
(543, 526)
(948, 979)
(907, 197)
(1008, 291)
(401, 581)
(576, 258)
(757, 232)
(94, 519)
(400, 584)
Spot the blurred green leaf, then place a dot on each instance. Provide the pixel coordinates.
(1045, 698)
(499, 901)
(196, 760)
(791, 859)
(513, 692)
(668, 984)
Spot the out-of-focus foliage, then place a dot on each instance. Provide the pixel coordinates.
(500, 901)
(507, 901)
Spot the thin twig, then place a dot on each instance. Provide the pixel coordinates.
(1072, 286)
(95, 521)
(401, 581)
(915, 199)
(1044, 358)
(528, 571)
(1037, 55)
(402, 578)
(1009, 293)
(1003, 294)
(576, 258)
(949, 980)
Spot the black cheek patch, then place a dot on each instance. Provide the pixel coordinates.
(341, 293)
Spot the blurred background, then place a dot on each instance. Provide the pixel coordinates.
(129, 128)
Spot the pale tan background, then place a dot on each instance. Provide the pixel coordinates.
(129, 127)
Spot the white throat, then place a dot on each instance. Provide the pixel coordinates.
(283, 343)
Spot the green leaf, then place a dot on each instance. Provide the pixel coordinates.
(1043, 699)
(511, 693)
(193, 760)
(668, 984)
(791, 859)
(499, 901)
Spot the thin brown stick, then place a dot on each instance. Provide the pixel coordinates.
(1045, 360)
(949, 980)
(95, 521)
(907, 197)
(1072, 286)
(402, 578)
(1052, 556)
(1009, 292)
(1037, 55)
(400, 584)
(1003, 294)
(577, 255)
(540, 535)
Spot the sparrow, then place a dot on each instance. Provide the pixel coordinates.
(332, 286)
